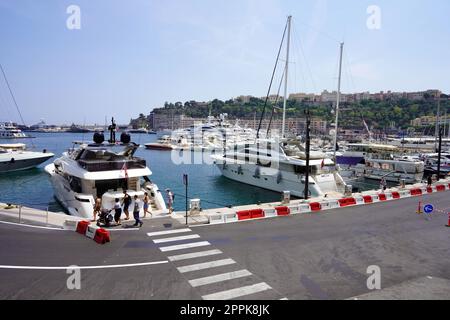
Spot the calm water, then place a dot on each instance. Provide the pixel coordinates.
(33, 188)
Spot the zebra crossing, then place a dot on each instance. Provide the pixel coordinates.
(215, 276)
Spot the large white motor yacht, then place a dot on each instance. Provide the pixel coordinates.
(280, 167)
(15, 157)
(9, 131)
(97, 170)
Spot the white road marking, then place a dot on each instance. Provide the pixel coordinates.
(194, 255)
(238, 292)
(84, 267)
(32, 226)
(185, 246)
(206, 265)
(161, 233)
(219, 278)
(191, 236)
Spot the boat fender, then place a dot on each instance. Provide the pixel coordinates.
(257, 173)
(279, 177)
(99, 137)
(240, 170)
(125, 138)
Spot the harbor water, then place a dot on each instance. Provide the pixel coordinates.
(33, 188)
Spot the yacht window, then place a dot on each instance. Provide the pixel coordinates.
(103, 186)
(75, 184)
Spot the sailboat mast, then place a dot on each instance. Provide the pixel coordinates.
(338, 100)
(286, 77)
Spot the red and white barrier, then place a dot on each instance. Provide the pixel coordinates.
(317, 206)
(95, 233)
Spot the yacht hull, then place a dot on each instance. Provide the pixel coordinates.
(269, 179)
(22, 164)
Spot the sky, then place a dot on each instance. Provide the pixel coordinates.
(129, 57)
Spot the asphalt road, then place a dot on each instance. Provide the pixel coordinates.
(314, 256)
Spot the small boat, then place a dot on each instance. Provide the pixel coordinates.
(163, 143)
(15, 157)
(139, 130)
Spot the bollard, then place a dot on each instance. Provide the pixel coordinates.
(286, 197)
(348, 190)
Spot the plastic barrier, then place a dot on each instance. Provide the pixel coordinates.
(102, 236)
(216, 218)
(330, 204)
(395, 195)
(404, 193)
(269, 213)
(389, 196)
(382, 197)
(91, 230)
(283, 211)
(416, 192)
(430, 189)
(440, 188)
(230, 217)
(359, 200)
(82, 227)
(345, 202)
(315, 206)
(368, 199)
(244, 215)
(294, 209)
(304, 208)
(257, 213)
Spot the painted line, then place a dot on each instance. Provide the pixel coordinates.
(161, 233)
(84, 267)
(191, 236)
(32, 226)
(219, 278)
(194, 255)
(206, 265)
(238, 292)
(185, 246)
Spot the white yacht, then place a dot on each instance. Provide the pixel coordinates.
(280, 167)
(9, 131)
(97, 170)
(15, 157)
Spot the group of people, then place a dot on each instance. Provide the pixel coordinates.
(125, 203)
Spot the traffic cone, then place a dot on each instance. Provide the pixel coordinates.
(419, 208)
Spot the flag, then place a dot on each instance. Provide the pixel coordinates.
(125, 169)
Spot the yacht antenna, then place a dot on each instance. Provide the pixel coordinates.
(286, 77)
(338, 100)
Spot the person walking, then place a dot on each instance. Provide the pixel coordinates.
(126, 204)
(170, 198)
(136, 210)
(97, 208)
(383, 184)
(117, 211)
(146, 205)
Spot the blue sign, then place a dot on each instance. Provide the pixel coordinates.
(428, 208)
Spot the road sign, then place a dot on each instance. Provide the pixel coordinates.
(428, 208)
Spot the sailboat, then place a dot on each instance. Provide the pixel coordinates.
(281, 164)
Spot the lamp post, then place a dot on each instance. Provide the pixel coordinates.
(308, 123)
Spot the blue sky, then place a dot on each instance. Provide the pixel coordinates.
(131, 56)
